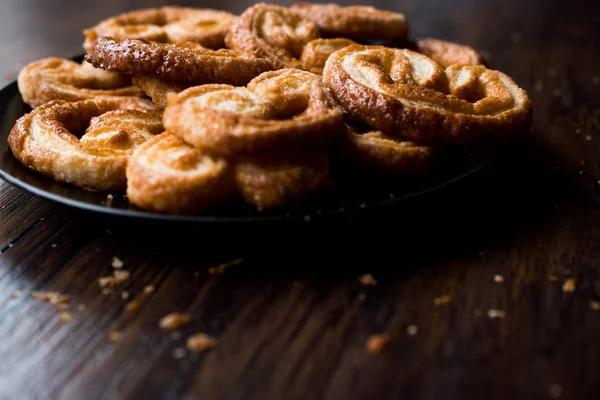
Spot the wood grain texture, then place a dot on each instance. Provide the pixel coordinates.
(292, 319)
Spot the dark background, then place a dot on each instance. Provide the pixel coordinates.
(292, 319)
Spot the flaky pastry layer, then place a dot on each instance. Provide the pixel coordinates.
(273, 32)
(316, 52)
(448, 53)
(287, 108)
(407, 94)
(354, 22)
(59, 79)
(185, 63)
(45, 139)
(379, 152)
(166, 25)
(283, 179)
(167, 175)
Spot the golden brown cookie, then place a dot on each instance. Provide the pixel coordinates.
(448, 53)
(180, 63)
(283, 179)
(167, 175)
(60, 79)
(407, 94)
(45, 140)
(273, 32)
(316, 52)
(287, 108)
(387, 154)
(354, 22)
(157, 89)
(166, 25)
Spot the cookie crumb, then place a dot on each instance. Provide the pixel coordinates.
(595, 305)
(200, 342)
(219, 269)
(124, 294)
(555, 391)
(553, 278)
(496, 314)
(442, 300)
(367, 280)
(361, 296)
(569, 286)
(412, 330)
(65, 317)
(179, 353)
(51, 297)
(115, 336)
(117, 262)
(498, 278)
(149, 289)
(174, 321)
(376, 343)
(62, 307)
(118, 276)
(132, 306)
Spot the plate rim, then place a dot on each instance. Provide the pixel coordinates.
(150, 215)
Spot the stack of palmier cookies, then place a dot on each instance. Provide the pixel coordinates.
(182, 108)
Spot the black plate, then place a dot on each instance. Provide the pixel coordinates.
(346, 198)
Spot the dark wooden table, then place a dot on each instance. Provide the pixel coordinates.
(291, 319)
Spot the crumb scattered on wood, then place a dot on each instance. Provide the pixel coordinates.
(174, 321)
(53, 298)
(367, 280)
(498, 278)
(595, 305)
(412, 330)
(119, 276)
(106, 291)
(219, 269)
(200, 342)
(492, 313)
(149, 289)
(179, 353)
(555, 391)
(553, 278)
(115, 336)
(377, 343)
(442, 300)
(569, 286)
(65, 317)
(117, 263)
(62, 307)
(132, 306)
(124, 294)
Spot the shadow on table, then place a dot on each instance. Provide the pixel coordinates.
(514, 194)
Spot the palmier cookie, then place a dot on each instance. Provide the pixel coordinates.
(60, 79)
(317, 51)
(407, 94)
(176, 62)
(166, 25)
(282, 179)
(157, 89)
(447, 53)
(376, 151)
(271, 31)
(287, 108)
(354, 22)
(167, 175)
(44, 140)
